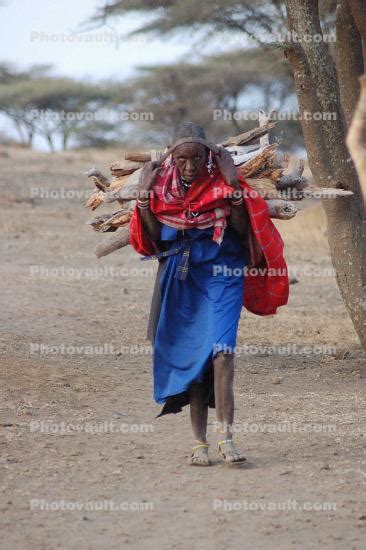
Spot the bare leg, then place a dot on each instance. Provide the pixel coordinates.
(224, 400)
(199, 414)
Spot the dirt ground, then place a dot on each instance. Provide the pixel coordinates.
(304, 487)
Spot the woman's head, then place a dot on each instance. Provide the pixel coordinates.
(190, 157)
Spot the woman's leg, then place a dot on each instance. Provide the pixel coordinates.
(224, 401)
(199, 414)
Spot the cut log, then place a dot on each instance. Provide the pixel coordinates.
(118, 182)
(264, 186)
(98, 221)
(154, 155)
(250, 136)
(281, 210)
(273, 175)
(118, 219)
(94, 173)
(242, 149)
(280, 160)
(242, 158)
(128, 191)
(263, 119)
(313, 192)
(258, 162)
(290, 181)
(138, 157)
(124, 167)
(119, 239)
(95, 200)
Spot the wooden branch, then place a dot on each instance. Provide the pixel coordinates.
(96, 222)
(356, 138)
(124, 168)
(294, 179)
(258, 162)
(144, 157)
(128, 191)
(95, 200)
(264, 186)
(263, 119)
(280, 209)
(138, 157)
(250, 136)
(313, 192)
(94, 173)
(119, 239)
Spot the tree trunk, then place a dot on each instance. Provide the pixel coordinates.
(349, 59)
(358, 9)
(50, 142)
(355, 138)
(318, 91)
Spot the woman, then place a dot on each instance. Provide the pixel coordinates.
(195, 214)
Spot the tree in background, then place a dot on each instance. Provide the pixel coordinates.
(50, 107)
(223, 86)
(326, 82)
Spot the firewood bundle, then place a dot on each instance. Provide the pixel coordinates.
(264, 168)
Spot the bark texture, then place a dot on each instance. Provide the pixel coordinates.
(318, 91)
(349, 59)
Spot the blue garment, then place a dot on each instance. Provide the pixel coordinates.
(199, 315)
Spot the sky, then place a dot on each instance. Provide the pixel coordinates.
(56, 32)
(53, 32)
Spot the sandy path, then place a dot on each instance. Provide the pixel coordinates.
(50, 299)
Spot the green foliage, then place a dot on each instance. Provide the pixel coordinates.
(54, 108)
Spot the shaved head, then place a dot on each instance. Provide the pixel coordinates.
(188, 129)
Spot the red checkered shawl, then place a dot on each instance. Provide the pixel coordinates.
(266, 279)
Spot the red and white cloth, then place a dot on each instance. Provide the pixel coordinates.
(206, 204)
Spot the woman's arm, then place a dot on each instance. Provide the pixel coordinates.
(239, 217)
(149, 222)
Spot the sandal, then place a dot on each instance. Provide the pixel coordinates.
(231, 456)
(200, 458)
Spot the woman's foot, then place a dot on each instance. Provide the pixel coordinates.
(199, 455)
(227, 451)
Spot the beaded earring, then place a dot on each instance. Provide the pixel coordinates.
(210, 164)
(170, 161)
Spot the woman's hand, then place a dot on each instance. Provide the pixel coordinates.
(227, 167)
(147, 178)
(149, 172)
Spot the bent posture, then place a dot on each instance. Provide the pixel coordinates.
(195, 215)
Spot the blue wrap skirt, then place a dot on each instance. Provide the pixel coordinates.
(195, 312)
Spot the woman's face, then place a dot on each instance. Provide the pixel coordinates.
(190, 159)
